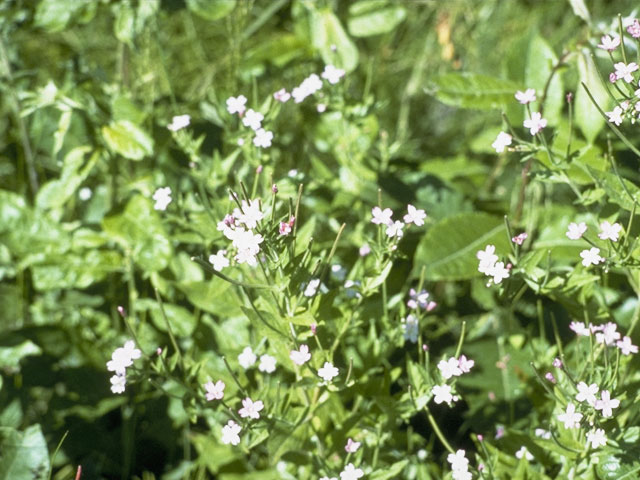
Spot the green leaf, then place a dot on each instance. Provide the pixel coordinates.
(373, 17)
(448, 250)
(124, 25)
(540, 62)
(470, 90)
(587, 116)
(54, 15)
(10, 356)
(393, 471)
(328, 34)
(211, 9)
(181, 321)
(23, 455)
(128, 140)
(618, 189)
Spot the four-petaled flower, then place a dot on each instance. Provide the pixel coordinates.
(179, 122)
(528, 96)
(215, 391)
(267, 363)
(162, 197)
(609, 232)
(442, 393)
(300, 356)
(609, 43)
(328, 372)
(381, 217)
(615, 116)
(230, 433)
(606, 403)
(332, 74)
(263, 138)
(634, 29)
(414, 216)
(250, 408)
(395, 229)
(591, 256)
(596, 438)
(535, 123)
(587, 393)
(523, 452)
(449, 368)
(576, 230)
(502, 141)
(236, 104)
(350, 472)
(570, 418)
(626, 347)
(253, 119)
(219, 261)
(247, 358)
(624, 71)
(351, 446)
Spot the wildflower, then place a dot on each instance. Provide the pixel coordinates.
(328, 372)
(351, 446)
(626, 347)
(321, 108)
(247, 358)
(502, 141)
(250, 213)
(609, 232)
(579, 328)
(549, 376)
(634, 29)
(609, 43)
(381, 217)
(449, 368)
(118, 383)
(332, 74)
(219, 261)
(519, 239)
(542, 433)
(312, 287)
(287, 227)
(410, 328)
(248, 245)
(523, 452)
(535, 123)
(230, 433)
(624, 71)
(395, 229)
(528, 96)
(417, 299)
(576, 230)
(442, 393)
(162, 197)
(608, 334)
(250, 408)
(557, 362)
(414, 216)
(465, 364)
(587, 393)
(123, 357)
(364, 250)
(263, 138)
(85, 194)
(351, 473)
(308, 87)
(591, 257)
(570, 418)
(596, 438)
(179, 122)
(215, 391)
(282, 95)
(253, 119)
(487, 258)
(606, 403)
(458, 461)
(615, 116)
(498, 272)
(236, 104)
(301, 356)
(267, 363)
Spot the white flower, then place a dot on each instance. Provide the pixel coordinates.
(351, 473)
(267, 363)
(219, 261)
(230, 433)
(250, 408)
(249, 214)
(414, 216)
(381, 217)
(252, 119)
(579, 328)
(410, 328)
(465, 364)
(351, 446)
(236, 104)
(442, 393)
(626, 347)
(487, 258)
(535, 123)
(570, 418)
(608, 334)
(179, 122)
(596, 438)
(615, 116)
(608, 43)
(118, 383)
(624, 71)
(523, 452)
(328, 372)
(576, 230)
(606, 403)
(282, 95)
(542, 433)
(263, 138)
(301, 356)
(332, 74)
(609, 232)
(123, 357)
(528, 96)
(215, 391)
(458, 461)
(591, 257)
(162, 197)
(395, 229)
(312, 287)
(498, 271)
(247, 358)
(587, 393)
(449, 368)
(502, 141)
(309, 86)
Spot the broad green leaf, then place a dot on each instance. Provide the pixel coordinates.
(540, 62)
(23, 455)
(587, 116)
(372, 17)
(54, 15)
(124, 25)
(211, 9)
(215, 296)
(470, 90)
(448, 250)
(139, 230)
(128, 140)
(181, 321)
(10, 356)
(330, 39)
(619, 190)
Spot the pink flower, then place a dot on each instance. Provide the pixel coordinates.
(250, 408)
(351, 446)
(528, 96)
(381, 217)
(519, 239)
(414, 216)
(580, 329)
(608, 43)
(215, 391)
(626, 347)
(282, 95)
(535, 123)
(634, 29)
(465, 364)
(624, 71)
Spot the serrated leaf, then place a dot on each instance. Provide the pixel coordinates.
(587, 116)
(448, 250)
(471, 90)
(211, 9)
(128, 140)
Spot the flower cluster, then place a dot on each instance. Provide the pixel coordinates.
(121, 359)
(606, 334)
(454, 367)
(608, 231)
(395, 228)
(490, 266)
(250, 119)
(459, 466)
(247, 358)
(238, 227)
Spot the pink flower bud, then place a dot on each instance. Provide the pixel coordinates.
(121, 311)
(313, 328)
(274, 188)
(557, 363)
